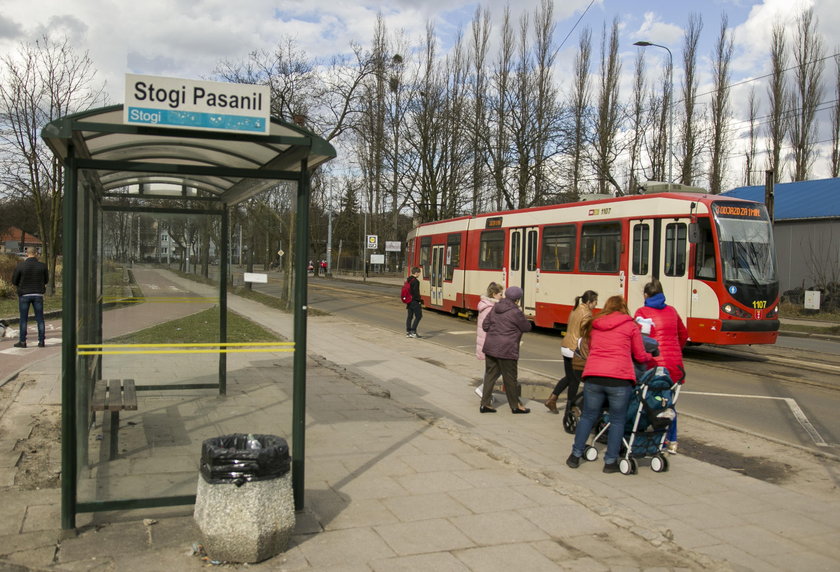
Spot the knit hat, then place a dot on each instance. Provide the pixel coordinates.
(513, 293)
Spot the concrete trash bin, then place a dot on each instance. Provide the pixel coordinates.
(244, 504)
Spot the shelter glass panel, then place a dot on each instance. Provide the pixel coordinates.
(151, 302)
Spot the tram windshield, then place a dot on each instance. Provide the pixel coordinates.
(746, 243)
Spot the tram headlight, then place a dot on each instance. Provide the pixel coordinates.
(773, 314)
(735, 311)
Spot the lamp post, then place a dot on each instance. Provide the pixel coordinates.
(643, 44)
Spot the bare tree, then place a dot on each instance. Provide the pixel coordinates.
(579, 107)
(521, 120)
(720, 106)
(777, 97)
(805, 97)
(690, 129)
(835, 121)
(609, 112)
(749, 154)
(478, 129)
(637, 119)
(498, 140)
(42, 81)
(547, 112)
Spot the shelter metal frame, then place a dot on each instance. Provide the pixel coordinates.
(99, 154)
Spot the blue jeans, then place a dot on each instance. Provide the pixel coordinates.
(593, 403)
(36, 302)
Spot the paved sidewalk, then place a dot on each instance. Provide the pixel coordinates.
(402, 473)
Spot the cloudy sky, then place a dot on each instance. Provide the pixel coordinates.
(186, 38)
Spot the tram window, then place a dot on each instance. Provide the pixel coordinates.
(425, 254)
(453, 255)
(515, 250)
(531, 262)
(641, 249)
(600, 245)
(704, 253)
(491, 250)
(558, 248)
(676, 240)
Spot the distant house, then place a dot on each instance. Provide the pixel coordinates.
(14, 240)
(807, 230)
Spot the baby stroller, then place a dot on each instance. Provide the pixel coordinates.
(649, 415)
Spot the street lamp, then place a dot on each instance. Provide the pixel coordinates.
(643, 44)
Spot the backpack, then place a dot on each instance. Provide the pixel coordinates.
(405, 293)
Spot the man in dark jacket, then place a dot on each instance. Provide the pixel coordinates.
(504, 325)
(414, 309)
(30, 278)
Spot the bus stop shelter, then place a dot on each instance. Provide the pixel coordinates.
(105, 160)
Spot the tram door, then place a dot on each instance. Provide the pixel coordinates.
(640, 266)
(674, 266)
(522, 265)
(659, 250)
(436, 275)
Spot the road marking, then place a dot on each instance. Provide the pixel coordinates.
(463, 333)
(797, 412)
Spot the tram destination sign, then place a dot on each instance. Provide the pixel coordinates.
(202, 105)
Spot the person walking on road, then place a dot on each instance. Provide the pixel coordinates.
(505, 323)
(669, 331)
(582, 311)
(414, 309)
(615, 341)
(30, 278)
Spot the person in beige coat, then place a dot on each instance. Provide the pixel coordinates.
(582, 311)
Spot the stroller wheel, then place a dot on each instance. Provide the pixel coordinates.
(590, 453)
(659, 463)
(569, 422)
(628, 466)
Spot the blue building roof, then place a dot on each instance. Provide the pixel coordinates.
(802, 200)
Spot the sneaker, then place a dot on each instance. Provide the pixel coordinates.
(42, 345)
(672, 447)
(411, 335)
(573, 461)
(408, 334)
(20, 345)
(611, 467)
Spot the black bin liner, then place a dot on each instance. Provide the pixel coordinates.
(227, 459)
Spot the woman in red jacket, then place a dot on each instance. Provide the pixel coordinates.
(615, 341)
(669, 330)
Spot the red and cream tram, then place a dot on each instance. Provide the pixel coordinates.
(714, 256)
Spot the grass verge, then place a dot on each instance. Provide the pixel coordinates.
(202, 327)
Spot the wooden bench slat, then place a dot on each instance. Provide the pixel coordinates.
(129, 395)
(114, 395)
(98, 402)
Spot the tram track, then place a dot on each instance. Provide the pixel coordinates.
(787, 367)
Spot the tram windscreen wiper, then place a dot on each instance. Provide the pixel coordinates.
(745, 258)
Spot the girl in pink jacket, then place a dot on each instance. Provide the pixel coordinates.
(494, 294)
(669, 330)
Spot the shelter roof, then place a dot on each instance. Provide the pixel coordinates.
(799, 200)
(229, 166)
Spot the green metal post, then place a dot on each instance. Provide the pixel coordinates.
(68, 348)
(299, 376)
(223, 270)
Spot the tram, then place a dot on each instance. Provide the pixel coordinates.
(714, 256)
